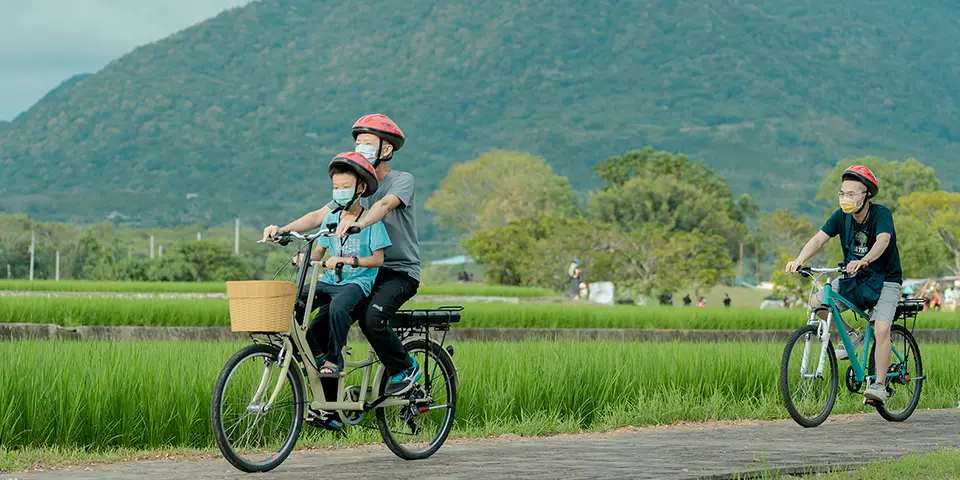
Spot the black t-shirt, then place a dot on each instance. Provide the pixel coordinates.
(864, 235)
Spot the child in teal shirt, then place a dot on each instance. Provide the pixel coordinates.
(360, 255)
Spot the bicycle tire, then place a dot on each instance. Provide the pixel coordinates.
(294, 378)
(449, 371)
(915, 398)
(785, 392)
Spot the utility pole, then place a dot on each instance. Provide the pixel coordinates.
(756, 259)
(9, 272)
(58, 265)
(161, 251)
(740, 275)
(236, 238)
(33, 248)
(151, 246)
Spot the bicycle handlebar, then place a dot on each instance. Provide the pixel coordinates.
(284, 237)
(808, 271)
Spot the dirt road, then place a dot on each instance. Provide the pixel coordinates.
(713, 450)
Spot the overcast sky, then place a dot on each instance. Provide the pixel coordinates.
(43, 42)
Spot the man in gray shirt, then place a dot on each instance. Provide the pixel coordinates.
(376, 138)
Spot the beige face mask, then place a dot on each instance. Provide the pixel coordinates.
(848, 206)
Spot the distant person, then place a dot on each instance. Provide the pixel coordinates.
(471, 277)
(726, 300)
(573, 277)
(702, 303)
(666, 299)
(686, 300)
(582, 292)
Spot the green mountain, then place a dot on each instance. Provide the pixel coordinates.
(239, 115)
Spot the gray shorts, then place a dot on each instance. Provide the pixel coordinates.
(886, 308)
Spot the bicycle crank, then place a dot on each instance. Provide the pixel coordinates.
(851, 380)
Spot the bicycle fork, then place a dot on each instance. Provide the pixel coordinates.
(823, 334)
(284, 360)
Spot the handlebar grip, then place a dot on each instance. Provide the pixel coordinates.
(338, 272)
(353, 230)
(282, 237)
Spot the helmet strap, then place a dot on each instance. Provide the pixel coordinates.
(380, 158)
(353, 200)
(866, 199)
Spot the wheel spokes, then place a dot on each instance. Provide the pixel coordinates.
(251, 431)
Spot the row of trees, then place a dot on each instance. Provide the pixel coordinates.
(664, 222)
(107, 252)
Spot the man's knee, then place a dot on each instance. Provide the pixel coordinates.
(881, 329)
(371, 319)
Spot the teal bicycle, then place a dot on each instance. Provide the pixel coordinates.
(808, 368)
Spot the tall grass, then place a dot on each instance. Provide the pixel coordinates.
(453, 289)
(484, 290)
(148, 395)
(113, 286)
(202, 312)
(69, 311)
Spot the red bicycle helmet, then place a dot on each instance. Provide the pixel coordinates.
(863, 175)
(361, 166)
(380, 125)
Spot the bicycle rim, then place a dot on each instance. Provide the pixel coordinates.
(251, 436)
(808, 397)
(410, 432)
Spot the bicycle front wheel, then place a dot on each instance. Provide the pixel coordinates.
(903, 391)
(416, 431)
(253, 436)
(808, 395)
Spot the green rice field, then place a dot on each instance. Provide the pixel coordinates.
(455, 289)
(72, 311)
(104, 395)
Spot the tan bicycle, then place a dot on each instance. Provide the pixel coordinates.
(260, 399)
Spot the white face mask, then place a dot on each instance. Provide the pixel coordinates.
(368, 151)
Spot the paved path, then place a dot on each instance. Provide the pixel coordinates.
(715, 450)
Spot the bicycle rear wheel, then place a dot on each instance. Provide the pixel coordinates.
(808, 397)
(418, 430)
(903, 392)
(251, 437)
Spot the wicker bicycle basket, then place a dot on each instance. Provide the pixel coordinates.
(261, 306)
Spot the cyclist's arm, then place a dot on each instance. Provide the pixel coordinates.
(309, 221)
(318, 253)
(812, 247)
(380, 210)
(373, 261)
(880, 246)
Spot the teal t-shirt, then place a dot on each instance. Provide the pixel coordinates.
(359, 245)
(857, 239)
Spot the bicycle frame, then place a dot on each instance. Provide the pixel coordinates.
(830, 299)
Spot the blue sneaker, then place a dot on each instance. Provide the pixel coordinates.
(402, 382)
(325, 421)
